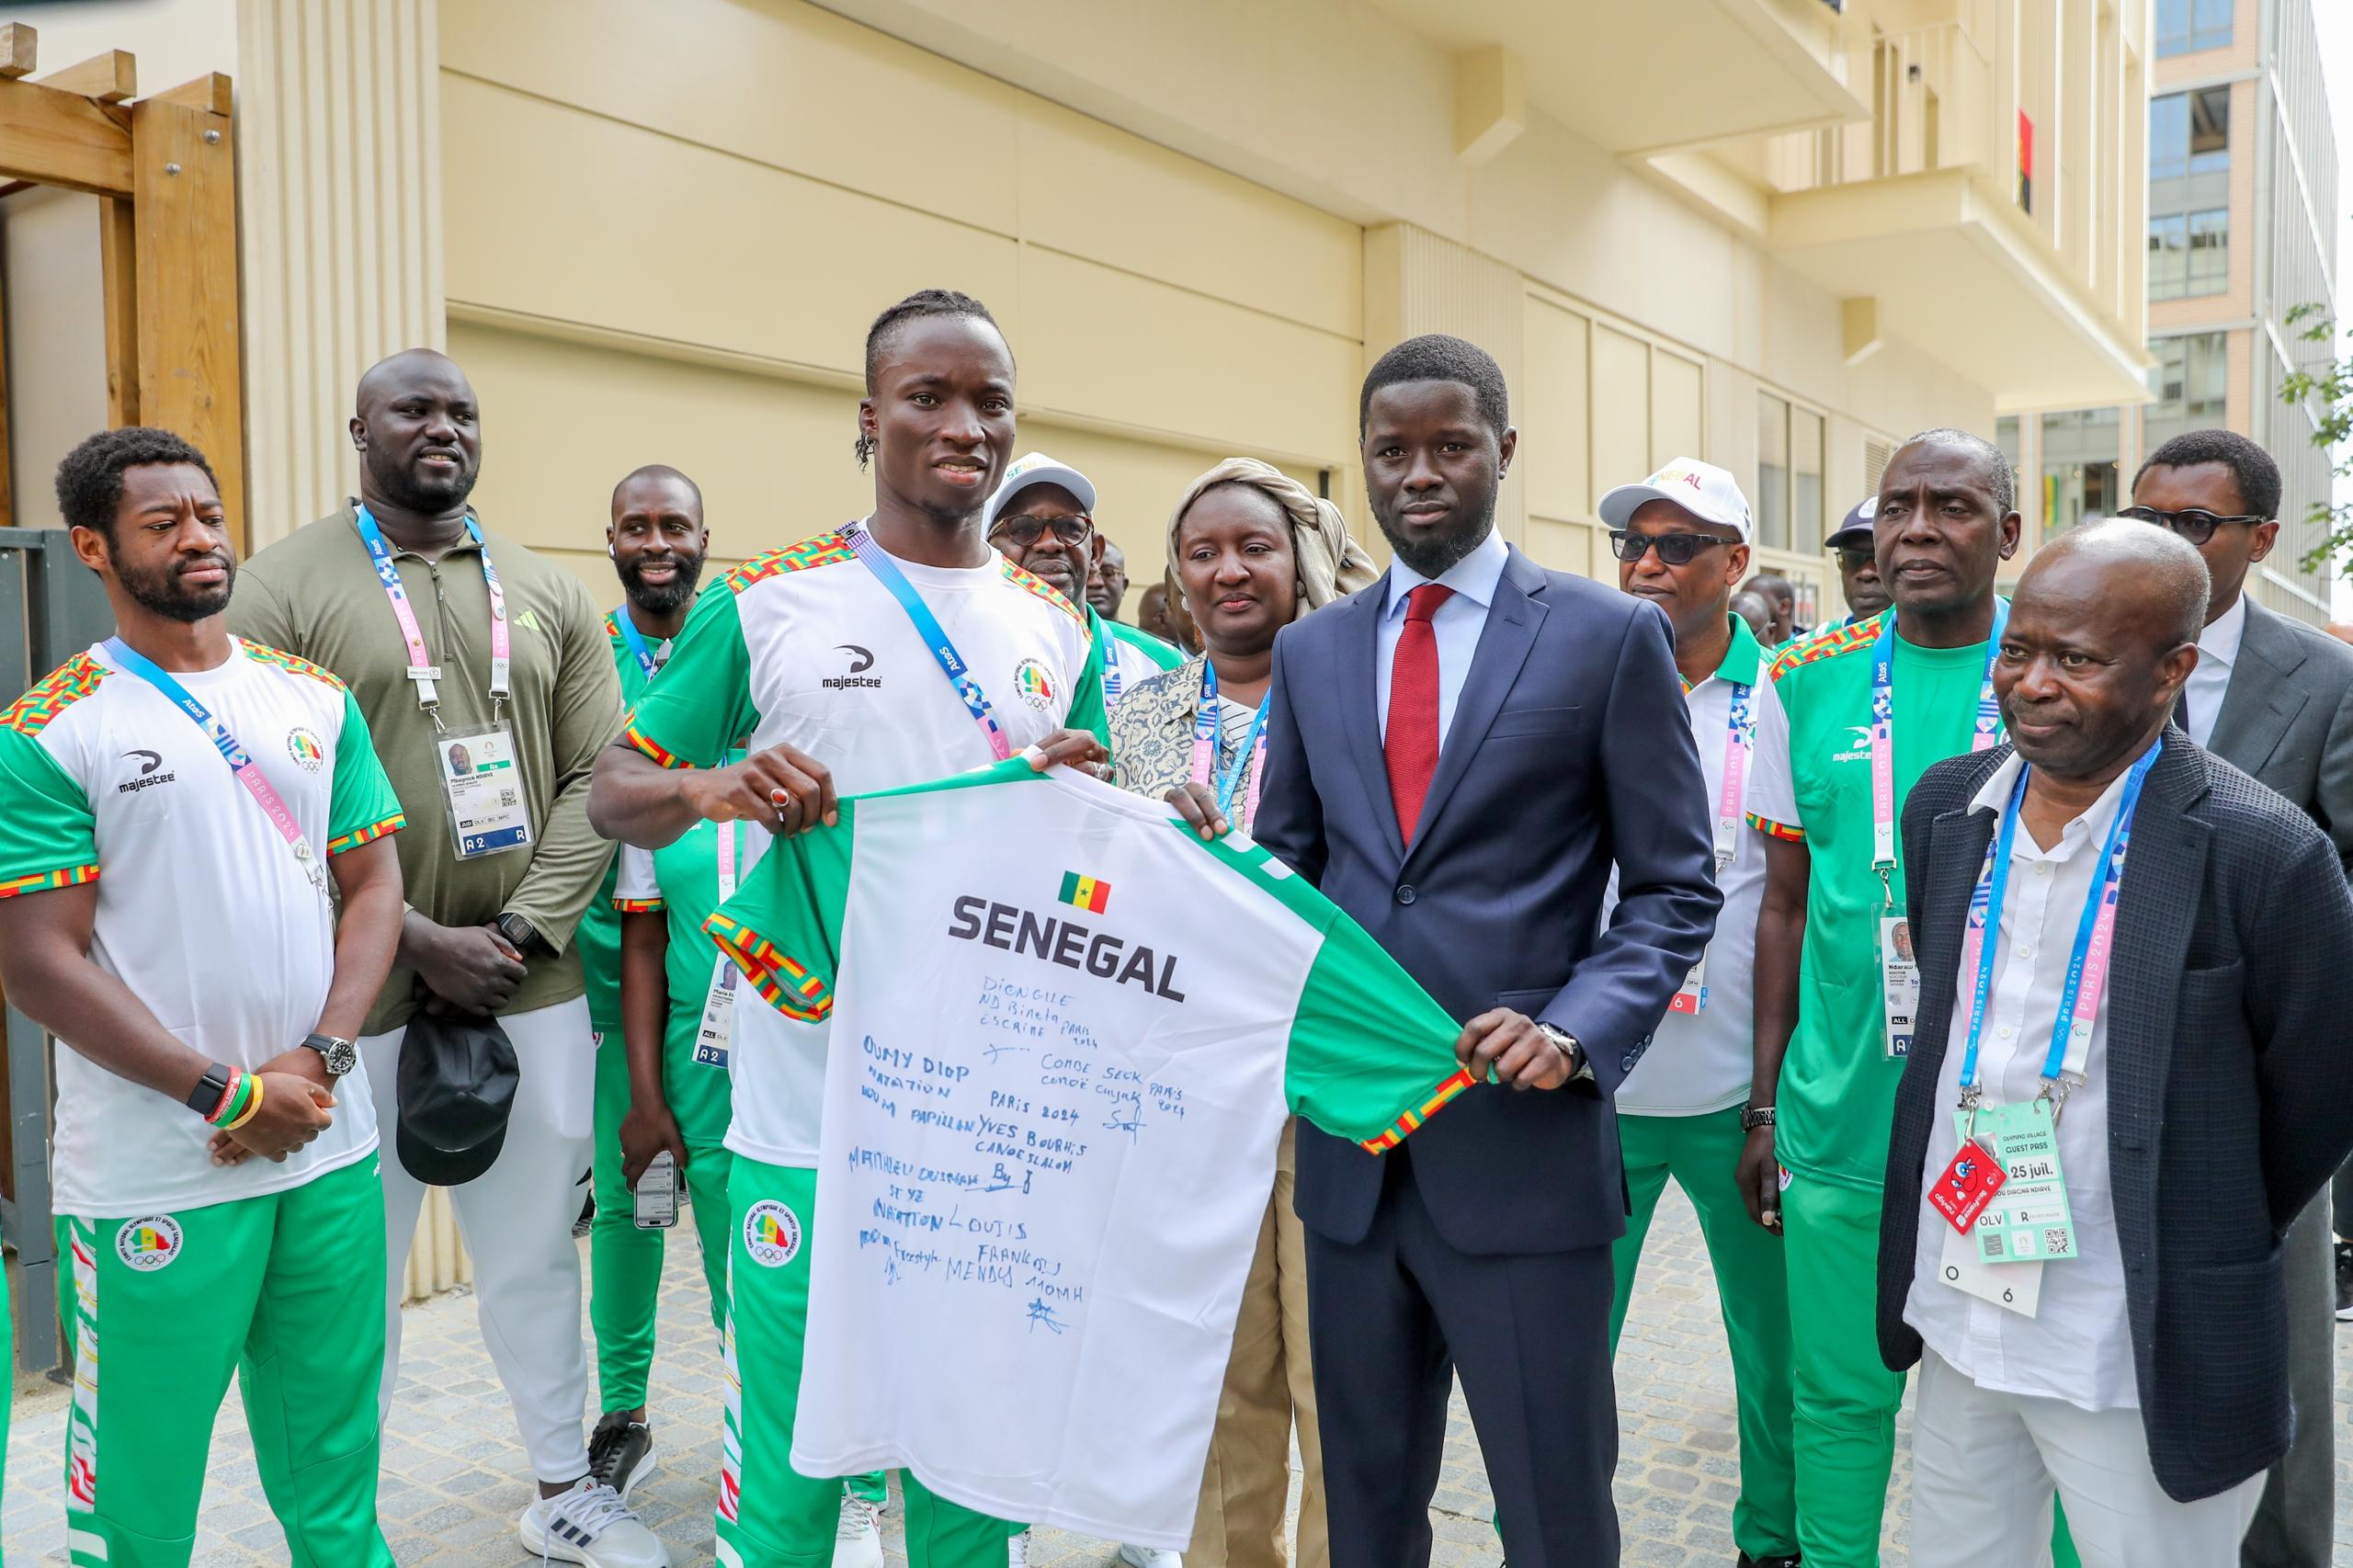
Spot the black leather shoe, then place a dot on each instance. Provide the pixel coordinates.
(1792, 1561)
(620, 1452)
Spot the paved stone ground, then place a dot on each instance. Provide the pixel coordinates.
(452, 1483)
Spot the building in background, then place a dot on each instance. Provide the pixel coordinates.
(2242, 229)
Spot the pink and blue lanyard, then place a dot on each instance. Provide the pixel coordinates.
(421, 667)
(241, 762)
(631, 636)
(951, 664)
(1208, 723)
(1987, 732)
(2079, 998)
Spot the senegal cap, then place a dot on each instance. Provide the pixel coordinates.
(1856, 532)
(1037, 468)
(1705, 491)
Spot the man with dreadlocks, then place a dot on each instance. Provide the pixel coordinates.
(834, 656)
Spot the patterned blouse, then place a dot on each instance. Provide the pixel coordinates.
(1152, 734)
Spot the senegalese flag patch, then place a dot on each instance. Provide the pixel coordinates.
(1085, 892)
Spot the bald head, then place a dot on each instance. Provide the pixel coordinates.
(656, 476)
(2102, 634)
(418, 430)
(2160, 573)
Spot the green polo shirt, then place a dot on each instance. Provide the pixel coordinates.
(316, 594)
(1837, 1095)
(598, 936)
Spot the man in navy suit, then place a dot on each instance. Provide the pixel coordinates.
(1455, 757)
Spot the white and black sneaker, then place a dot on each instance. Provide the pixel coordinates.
(1149, 1557)
(1016, 1549)
(620, 1452)
(858, 1543)
(590, 1525)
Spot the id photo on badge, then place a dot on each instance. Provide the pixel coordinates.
(488, 814)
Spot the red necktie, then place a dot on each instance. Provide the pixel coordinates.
(1412, 743)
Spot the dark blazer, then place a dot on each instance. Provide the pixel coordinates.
(1568, 750)
(2287, 718)
(2230, 1087)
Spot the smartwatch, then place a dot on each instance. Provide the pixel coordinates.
(520, 933)
(340, 1055)
(206, 1096)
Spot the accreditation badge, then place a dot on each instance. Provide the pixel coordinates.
(484, 786)
(2015, 1285)
(1692, 996)
(2029, 1219)
(716, 1031)
(1899, 984)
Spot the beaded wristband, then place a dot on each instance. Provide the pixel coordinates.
(253, 1108)
(231, 1099)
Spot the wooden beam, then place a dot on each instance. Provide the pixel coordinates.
(111, 77)
(209, 92)
(64, 139)
(7, 487)
(119, 263)
(18, 53)
(190, 376)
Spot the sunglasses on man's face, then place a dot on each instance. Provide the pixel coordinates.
(1855, 560)
(1025, 530)
(1674, 549)
(2193, 523)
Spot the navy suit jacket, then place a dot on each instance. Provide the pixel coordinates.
(1568, 750)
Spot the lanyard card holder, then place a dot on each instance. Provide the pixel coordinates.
(1899, 984)
(484, 786)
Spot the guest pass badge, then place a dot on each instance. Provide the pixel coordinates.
(488, 814)
(2029, 1218)
(2012, 1282)
(1899, 984)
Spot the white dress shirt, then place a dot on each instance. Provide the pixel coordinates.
(2218, 651)
(1456, 625)
(2078, 1346)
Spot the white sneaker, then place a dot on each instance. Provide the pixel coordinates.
(590, 1525)
(1149, 1557)
(1016, 1551)
(858, 1543)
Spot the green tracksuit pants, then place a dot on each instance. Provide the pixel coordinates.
(286, 1291)
(1701, 1154)
(1845, 1397)
(769, 1515)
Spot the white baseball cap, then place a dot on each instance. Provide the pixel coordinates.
(1037, 468)
(1707, 492)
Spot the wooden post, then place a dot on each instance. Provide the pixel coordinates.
(18, 51)
(119, 265)
(184, 188)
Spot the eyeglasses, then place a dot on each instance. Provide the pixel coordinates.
(1855, 560)
(1674, 549)
(1025, 530)
(2193, 523)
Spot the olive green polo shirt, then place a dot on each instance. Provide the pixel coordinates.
(316, 594)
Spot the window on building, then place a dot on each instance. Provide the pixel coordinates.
(2080, 479)
(1772, 471)
(2187, 25)
(2192, 384)
(2210, 251)
(1805, 481)
(2190, 133)
(2168, 255)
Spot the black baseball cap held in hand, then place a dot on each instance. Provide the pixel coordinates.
(457, 1087)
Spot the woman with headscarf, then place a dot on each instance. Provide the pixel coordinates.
(1250, 551)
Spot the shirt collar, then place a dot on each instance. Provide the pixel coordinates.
(1995, 796)
(2220, 640)
(1473, 577)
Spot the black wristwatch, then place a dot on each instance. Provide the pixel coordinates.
(520, 933)
(205, 1095)
(340, 1055)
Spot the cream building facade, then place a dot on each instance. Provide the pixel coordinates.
(1778, 235)
(2241, 230)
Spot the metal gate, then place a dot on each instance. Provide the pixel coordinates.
(50, 606)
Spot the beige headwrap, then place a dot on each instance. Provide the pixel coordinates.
(1331, 565)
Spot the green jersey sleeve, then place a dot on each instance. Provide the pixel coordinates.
(1165, 655)
(1371, 1056)
(783, 927)
(700, 703)
(362, 806)
(48, 833)
(1087, 708)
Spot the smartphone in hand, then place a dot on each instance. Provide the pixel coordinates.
(657, 1194)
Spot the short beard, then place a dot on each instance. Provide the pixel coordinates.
(1433, 557)
(159, 593)
(398, 484)
(665, 598)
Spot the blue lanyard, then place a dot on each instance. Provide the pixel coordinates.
(935, 636)
(2095, 935)
(241, 762)
(635, 639)
(1883, 734)
(1209, 724)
